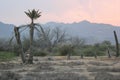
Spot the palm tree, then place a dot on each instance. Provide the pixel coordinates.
(33, 15)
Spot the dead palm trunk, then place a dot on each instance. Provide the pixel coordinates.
(117, 44)
(17, 36)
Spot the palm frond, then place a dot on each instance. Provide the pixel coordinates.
(33, 14)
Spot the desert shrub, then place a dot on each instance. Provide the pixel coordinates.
(77, 52)
(91, 51)
(65, 50)
(88, 52)
(55, 49)
(100, 53)
(40, 53)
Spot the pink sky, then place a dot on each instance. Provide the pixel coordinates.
(68, 11)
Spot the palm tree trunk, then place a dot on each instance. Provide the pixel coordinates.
(30, 60)
(17, 36)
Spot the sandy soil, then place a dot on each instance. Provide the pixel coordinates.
(58, 68)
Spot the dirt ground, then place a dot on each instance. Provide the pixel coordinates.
(58, 68)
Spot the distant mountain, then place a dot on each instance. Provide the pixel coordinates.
(6, 30)
(91, 32)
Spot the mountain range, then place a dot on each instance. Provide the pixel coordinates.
(6, 30)
(91, 32)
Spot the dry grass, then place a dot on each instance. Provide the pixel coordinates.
(61, 69)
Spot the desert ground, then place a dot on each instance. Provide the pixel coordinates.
(58, 68)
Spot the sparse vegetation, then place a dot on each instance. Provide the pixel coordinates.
(47, 66)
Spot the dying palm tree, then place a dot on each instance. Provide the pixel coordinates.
(33, 15)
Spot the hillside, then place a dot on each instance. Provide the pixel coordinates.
(91, 32)
(6, 30)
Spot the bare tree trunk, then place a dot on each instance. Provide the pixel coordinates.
(117, 44)
(17, 36)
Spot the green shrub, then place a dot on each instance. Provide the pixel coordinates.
(88, 52)
(91, 52)
(5, 56)
(40, 53)
(16, 50)
(66, 49)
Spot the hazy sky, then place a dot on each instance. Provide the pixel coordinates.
(68, 11)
